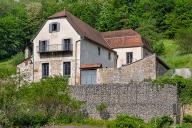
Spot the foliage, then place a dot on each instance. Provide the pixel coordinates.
(184, 40)
(187, 119)
(124, 121)
(101, 107)
(8, 67)
(185, 125)
(161, 122)
(154, 19)
(183, 86)
(38, 103)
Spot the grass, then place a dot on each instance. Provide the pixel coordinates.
(173, 58)
(8, 66)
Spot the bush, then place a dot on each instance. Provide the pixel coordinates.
(184, 87)
(185, 125)
(124, 121)
(159, 48)
(101, 107)
(161, 122)
(18, 58)
(38, 103)
(187, 119)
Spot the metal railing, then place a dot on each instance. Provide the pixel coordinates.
(55, 48)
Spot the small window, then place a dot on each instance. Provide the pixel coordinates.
(129, 57)
(109, 55)
(43, 46)
(67, 68)
(45, 70)
(67, 46)
(99, 51)
(54, 27)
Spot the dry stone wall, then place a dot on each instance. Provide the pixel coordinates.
(138, 99)
(145, 69)
(25, 71)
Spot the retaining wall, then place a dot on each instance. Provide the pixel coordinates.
(138, 99)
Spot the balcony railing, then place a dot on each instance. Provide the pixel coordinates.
(55, 48)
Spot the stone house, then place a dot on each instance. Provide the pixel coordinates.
(67, 46)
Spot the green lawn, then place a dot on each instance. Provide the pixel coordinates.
(173, 58)
(8, 66)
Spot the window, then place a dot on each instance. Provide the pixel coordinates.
(54, 27)
(67, 68)
(67, 45)
(99, 51)
(43, 46)
(129, 57)
(109, 55)
(45, 70)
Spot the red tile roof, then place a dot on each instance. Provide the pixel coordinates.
(112, 39)
(90, 66)
(124, 39)
(82, 28)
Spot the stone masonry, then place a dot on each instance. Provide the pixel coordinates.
(145, 69)
(25, 71)
(143, 100)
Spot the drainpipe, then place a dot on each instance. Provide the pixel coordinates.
(33, 61)
(76, 59)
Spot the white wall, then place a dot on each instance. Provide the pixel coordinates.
(66, 31)
(121, 52)
(89, 55)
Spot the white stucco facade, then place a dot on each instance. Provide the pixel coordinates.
(83, 52)
(121, 52)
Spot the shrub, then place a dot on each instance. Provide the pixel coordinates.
(184, 87)
(38, 103)
(101, 107)
(161, 122)
(19, 57)
(185, 125)
(187, 119)
(124, 121)
(159, 48)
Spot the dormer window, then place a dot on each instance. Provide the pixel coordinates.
(54, 27)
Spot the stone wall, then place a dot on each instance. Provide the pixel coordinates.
(137, 71)
(25, 71)
(138, 99)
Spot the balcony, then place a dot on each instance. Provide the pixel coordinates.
(55, 48)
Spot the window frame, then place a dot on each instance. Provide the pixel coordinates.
(67, 72)
(68, 44)
(51, 27)
(43, 45)
(109, 55)
(129, 57)
(45, 70)
(99, 50)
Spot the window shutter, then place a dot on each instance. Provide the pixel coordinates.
(58, 27)
(50, 28)
(40, 46)
(47, 45)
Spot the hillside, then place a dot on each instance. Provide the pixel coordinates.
(172, 56)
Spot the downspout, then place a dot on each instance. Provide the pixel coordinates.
(33, 61)
(76, 59)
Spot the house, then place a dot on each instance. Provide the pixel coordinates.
(67, 46)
